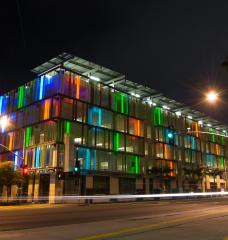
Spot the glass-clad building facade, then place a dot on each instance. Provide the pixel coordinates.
(125, 141)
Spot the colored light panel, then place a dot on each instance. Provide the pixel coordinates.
(1, 100)
(67, 127)
(95, 160)
(87, 159)
(37, 162)
(47, 106)
(116, 141)
(78, 87)
(15, 160)
(157, 116)
(21, 92)
(213, 135)
(136, 165)
(28, 135)
(41, 87)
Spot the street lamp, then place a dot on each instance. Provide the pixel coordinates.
(4, 122)
(212, 96)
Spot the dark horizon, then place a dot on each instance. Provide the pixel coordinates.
(176, 48)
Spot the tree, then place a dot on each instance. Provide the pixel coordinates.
(214, 172)
(9, 177)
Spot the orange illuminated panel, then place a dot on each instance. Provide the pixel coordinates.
(216, 149)
(11, 142)
(197, 129)
(47, 104)
(166, 151)
(138, 127)
(78, 78)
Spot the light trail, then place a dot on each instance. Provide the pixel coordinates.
(67, 198)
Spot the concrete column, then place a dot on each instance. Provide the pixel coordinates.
(147, 185)
(69, 153)
(30, 188)
(36, 186)
(55, 189)
(139, 184)
(14, 190)
(114, 185)
(4, 193)
(173, 184)
(218, 182)
(52, 188)
(89, 182)
(208, 186)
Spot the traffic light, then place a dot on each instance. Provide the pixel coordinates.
(170, 135)
(77, 167)
(25, 170)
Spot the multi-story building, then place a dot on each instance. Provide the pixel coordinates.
(128, 138)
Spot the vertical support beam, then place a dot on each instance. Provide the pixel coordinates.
(36, 186)
(52, 188)
(114, 185)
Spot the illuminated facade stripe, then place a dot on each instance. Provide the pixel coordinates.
(41, 87)
(28, 134)
(78, 87)
(47, 106)
(1, 100)
(21, 91)
(67, 127)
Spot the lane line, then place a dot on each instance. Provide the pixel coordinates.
(143, 227)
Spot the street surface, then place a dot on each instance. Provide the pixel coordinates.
(159, 220)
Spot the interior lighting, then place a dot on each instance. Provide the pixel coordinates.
(135, 95)
(178, 113)
(48, 76)
(95, 78)
(166, 107)
(78, 140)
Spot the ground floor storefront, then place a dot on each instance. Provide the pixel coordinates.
(48, 185)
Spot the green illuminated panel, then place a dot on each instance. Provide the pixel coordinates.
(21, 91)
(222, 162)
(157, 116)
(136, 165)
(223, 140)
(67, 127)
(127, 102)
(122, 103)
(28, 135)
(116, 141)
(213, 135)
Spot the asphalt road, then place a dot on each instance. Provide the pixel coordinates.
(183, 219)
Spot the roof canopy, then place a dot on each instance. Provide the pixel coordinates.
(120, 83)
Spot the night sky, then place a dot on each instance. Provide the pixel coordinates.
(176, 47)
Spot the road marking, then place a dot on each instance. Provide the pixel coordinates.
(143, 227)
(3, 208)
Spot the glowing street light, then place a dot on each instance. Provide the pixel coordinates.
(4, 122)
(212, 96)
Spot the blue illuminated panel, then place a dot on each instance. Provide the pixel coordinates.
(41, 87)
